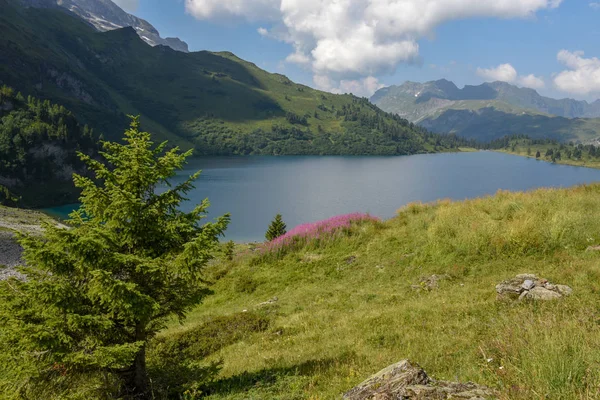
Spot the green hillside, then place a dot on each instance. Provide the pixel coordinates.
(212, 101)
(347, 308)
(475, 120)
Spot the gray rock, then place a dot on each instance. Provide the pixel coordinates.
(528, 284)
(564, 290)
(269, 302)
(405, 381)
(430, 282)
(541, 293)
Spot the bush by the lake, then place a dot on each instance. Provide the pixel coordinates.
(316, 231)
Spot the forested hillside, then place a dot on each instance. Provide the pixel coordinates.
(38, 150)
(214, 102)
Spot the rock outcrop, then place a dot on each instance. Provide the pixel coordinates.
(405, 381)
(529, 286)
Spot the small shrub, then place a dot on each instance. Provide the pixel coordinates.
(228, 250)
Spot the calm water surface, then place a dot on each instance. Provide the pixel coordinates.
(305, 189)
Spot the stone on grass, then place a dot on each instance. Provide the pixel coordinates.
(429, 283)
(541, 293)
(406, 381)
(529, 286)
(269, 302)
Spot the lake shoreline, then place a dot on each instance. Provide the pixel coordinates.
(572, 163)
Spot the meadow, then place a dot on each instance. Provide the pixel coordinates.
(312, 322)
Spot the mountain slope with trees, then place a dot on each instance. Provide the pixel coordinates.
(214, 102)
(490, 111)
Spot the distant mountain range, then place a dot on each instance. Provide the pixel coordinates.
(490, 110)
(104, 15)
(213, 102)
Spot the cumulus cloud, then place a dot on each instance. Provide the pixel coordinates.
(128, 5)
(582, 76)
(508, 73)
(532, 81)
(253, 10)
(349, 40)
(364, 87)
(503, 72)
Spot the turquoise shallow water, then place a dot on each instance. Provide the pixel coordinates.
(305, 189)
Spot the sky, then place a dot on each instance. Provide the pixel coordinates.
(359, 46)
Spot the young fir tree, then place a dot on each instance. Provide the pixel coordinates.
(276, 229)
(98, 291)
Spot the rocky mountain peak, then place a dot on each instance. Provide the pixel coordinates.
(104, 15)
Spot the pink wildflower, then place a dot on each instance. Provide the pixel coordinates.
(316, 230)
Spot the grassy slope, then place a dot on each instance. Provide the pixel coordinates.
(337, 322)
(180, 95)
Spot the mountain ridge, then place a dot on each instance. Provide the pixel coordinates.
(501, 91)
(490, 111)
(105, 15)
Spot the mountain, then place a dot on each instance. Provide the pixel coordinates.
(214, 102)
(490, 110)
(104, 15)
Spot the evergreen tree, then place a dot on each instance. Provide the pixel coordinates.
(276, 229)
(96, 293)
(537, 154)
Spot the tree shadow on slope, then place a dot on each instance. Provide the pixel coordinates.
(275, 380)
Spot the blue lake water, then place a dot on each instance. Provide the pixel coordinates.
(305, 189)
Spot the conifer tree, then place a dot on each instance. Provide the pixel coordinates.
(98, 291)
(276, 229)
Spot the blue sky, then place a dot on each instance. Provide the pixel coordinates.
(341, 49)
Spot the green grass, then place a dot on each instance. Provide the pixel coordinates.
(337, 322)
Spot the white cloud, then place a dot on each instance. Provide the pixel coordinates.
(508, 73)
(263, 31)
(128, 5)
(532, 81)
(253, 10)
(364, 87)
(348, 40)
(595, 5)
(503, 72)
(582, 75)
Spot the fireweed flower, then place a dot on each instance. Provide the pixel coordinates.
(316, 230)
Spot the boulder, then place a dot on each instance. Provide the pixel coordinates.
(540, 293)
(529, 286)
(406, 380)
